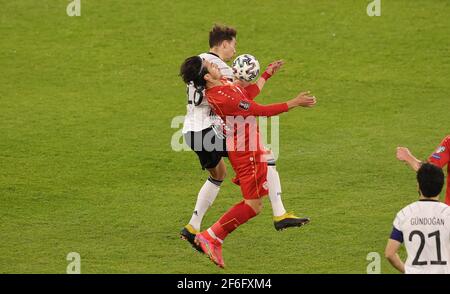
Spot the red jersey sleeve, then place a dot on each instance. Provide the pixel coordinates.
(226, 102)
(441, 156)
(252, 91)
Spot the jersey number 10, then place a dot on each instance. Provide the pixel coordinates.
(197, 96)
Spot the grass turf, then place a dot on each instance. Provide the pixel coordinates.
(85, 128)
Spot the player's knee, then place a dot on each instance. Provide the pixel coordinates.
(222, 174)
(259, 207)
(219, 172)
(256, 205)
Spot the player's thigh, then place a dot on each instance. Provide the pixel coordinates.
(252, 179)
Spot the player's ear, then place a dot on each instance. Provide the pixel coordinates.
(224, 44)
(207, 77)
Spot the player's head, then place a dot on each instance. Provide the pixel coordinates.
(223, 40)
(430, 179)
(195, 69)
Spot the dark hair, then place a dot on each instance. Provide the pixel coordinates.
(192, 70)
(219, 33)
(430, 179)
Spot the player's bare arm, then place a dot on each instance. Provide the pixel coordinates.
(392, 256)
(270, 71)
(403, 154)
(304, 99)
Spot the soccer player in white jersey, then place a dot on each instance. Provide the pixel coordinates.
(424, 228)
(202, 133)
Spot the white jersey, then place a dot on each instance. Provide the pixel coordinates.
(425, 228)
(199, 115)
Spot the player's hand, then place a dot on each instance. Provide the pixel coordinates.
(274, 67)
(304, 99)
(403, 154)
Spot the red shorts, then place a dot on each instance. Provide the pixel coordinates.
(251, 176)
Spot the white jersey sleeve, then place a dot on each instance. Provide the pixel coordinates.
(398, 221)
(199, 115)
(425, 230)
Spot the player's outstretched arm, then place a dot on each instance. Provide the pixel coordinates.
(304, 99)
(392, 256)
(239, 106)
(403, 154)
(269, 72)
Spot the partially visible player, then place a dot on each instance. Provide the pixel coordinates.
(424, 228)
(202, 125)
(233, 103)
(440, 158)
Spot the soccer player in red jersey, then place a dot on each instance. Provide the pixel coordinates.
(202, 130)
(440, 158)
(235, 105)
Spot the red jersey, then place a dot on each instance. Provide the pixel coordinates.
(235, 106)
(441, 157)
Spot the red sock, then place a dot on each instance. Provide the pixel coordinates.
(233, 218)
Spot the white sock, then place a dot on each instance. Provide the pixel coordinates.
(205, 199)
(273, 181)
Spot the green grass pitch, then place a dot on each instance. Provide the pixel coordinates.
(86, 105)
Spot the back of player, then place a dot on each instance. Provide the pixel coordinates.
(425, 229)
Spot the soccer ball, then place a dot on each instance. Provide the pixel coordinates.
(246, 67)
